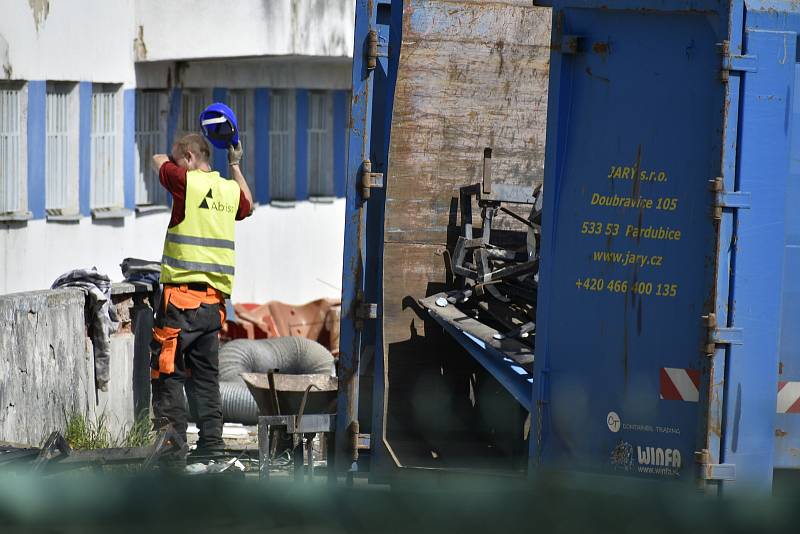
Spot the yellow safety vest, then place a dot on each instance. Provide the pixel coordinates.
(201, 247)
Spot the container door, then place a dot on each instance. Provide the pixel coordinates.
(787, 429)
(634, 140)
(751, 376)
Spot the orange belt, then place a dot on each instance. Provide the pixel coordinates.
(184, 298)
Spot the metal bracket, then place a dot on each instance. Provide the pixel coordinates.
(367, 310)
(364, 311)
(369, 179)
(742, 63)
(371, 52)
(736, 62)
(726, 336)
(709, 471)
(719, 472)
(487, 170)
(727, 199)
(721, 336)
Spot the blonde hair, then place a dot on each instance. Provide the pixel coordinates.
(194, 143)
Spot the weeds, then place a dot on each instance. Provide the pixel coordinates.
(140, 433)
(84, 434)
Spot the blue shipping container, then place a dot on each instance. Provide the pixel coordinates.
(667, 303)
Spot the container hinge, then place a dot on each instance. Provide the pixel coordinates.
(364, 311)
(727, 199)
(371, 52)
(369, 179)
(709, 471)
(571, 44)
(737, 62)
(720, 336)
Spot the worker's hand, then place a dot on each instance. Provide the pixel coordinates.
(235, 153)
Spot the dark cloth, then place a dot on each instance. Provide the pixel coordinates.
(173, 178)
(196, 370)
(101, 316)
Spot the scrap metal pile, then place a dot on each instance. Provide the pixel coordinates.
(498, 277)
(57, 455)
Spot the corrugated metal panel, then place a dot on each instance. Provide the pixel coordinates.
(150, 140)
(281, 145)
(105, 189)
(10, 170)
(320, 144)
(58, 146)
(241, 102)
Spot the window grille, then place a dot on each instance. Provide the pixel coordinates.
(240, 101)
(320, 144)
(106, 182)
(10, 168)
(61, 171)
(150, 140)
(192, 105)
(281, 146)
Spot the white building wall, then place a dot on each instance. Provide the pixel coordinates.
(67, 40)
(288, 254)
(195, 29)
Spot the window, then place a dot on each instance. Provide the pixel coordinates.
(281, 145)
(61, 194)
(241, 102)
(12, 170)
(320, 144)
(151, 111)
(106, 147)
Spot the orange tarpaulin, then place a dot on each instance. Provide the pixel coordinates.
(317, 320)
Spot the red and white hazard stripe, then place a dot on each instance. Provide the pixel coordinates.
(680, 384)
(788, 397)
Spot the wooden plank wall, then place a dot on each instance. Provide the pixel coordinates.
(473, 74)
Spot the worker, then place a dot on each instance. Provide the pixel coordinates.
(197, 270)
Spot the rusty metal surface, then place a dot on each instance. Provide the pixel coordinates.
(471, 75)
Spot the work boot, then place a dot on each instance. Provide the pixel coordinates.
(205, 455)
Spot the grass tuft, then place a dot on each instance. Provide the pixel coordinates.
(84, 434)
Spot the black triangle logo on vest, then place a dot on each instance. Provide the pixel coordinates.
(204, 203)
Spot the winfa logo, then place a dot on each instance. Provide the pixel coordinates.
(647, 461)
(216, 206)
(658, 457)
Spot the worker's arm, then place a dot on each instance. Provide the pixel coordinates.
(159, 160)
(234, 157)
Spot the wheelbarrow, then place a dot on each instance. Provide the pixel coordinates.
(299, 405)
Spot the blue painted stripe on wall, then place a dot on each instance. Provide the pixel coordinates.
(37, 142)
(220, 156)
(301, 144)
(172, 120)
(128, 147)
(85, 146)
(339, 145)
(260, 148)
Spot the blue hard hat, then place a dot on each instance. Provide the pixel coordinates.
(218, 123)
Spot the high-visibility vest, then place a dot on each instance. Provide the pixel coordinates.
(201, 247)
